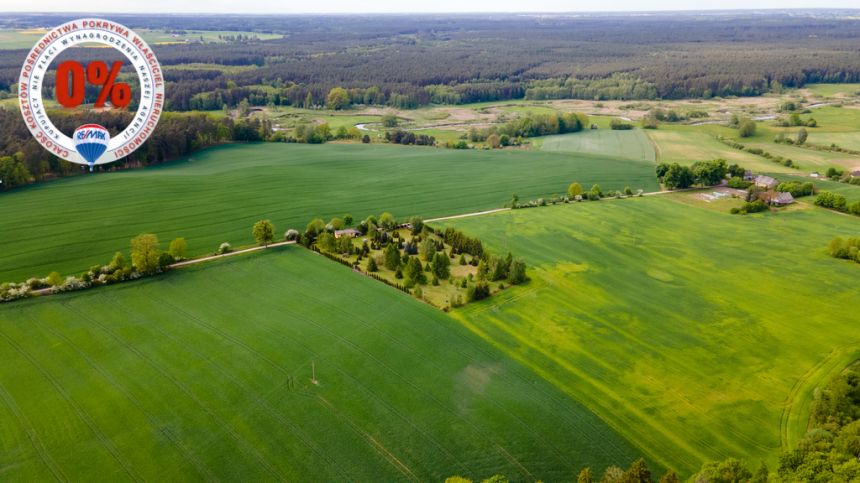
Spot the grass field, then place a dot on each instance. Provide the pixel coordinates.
(216, 195)
(27, 38)
(205, 374)
(849, 140)
(695, 334)
(834, 90)
(632, 144)
(688, 144)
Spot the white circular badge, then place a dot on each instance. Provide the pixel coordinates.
(111, 34)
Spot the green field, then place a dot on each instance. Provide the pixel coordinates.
(205, 373)
(696, 334)
(833, 90)
(27, 38)
(216, 195)
(688, 144)
(632, 144)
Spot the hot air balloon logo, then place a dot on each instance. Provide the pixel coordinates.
(91, 141)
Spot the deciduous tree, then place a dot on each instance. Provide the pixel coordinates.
(337, 98)
(264, 232)
(177, 248)
(145, 253)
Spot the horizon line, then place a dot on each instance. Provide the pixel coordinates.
(492, 12)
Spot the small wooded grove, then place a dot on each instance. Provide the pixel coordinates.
(704, 173)
(829, 452)
(413, 257)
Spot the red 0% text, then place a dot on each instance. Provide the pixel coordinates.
(72, 79)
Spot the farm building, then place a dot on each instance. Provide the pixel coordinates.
(766, 182)
(749, 176)
(349, 232)
(777, 198)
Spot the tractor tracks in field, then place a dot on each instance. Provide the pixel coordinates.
(79, 410)
(259, 399)
(38, 446)
(795, 402)
(153, 420)
(238, 439)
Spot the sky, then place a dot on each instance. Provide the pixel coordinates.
(399, 6)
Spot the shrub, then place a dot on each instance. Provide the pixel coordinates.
(291, 235)
(747, 128)
(619, 125)
(478, 291)
(54, 279)
(739, 183)
(847, 249)
(224, 248)
(830, 200)
(71, 284)
(796, 188)
(118, 261)
(517, 272)
(165, 260)
(177, 248)
(389, 120)
(750, 207)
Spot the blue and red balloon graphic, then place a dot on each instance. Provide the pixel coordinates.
(91, 141)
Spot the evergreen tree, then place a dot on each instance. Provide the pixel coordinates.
(391, 257)
(427, 249)
(441, 266)
(414, 271)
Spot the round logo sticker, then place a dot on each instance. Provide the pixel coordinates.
(91, 144)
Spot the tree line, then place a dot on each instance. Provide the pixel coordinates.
(704, 173)
(23, 160)
(146, 259)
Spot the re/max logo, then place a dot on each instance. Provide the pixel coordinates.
(91, 135)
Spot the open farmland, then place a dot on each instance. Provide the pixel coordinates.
(688, 144)
(214, 196)
(205, 373)
(695, 334)
(632, 144)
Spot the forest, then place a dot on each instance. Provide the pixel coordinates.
(409, 61)
(23, 159)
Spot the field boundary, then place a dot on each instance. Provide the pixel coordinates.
(799, 399)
